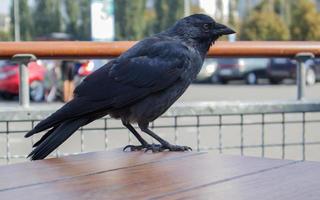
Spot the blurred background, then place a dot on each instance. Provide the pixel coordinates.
(110, 20)
(134, 20)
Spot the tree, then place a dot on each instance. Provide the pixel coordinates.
(175, 12)
(73, 17)
(78, 19)
(231, 17)
(280, 7)
(305, 21)
(85, 16)
(300, 16)
(167, 12)
(264, 26)
(47, 17)
(26, 21)
(129, 19)
(161, 8)
(233, 21)
(265, 22)
(4, 36)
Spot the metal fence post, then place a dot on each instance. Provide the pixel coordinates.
(301, 73)
(23, 60)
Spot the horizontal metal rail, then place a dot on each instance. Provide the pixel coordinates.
(76, 50)
(225, 108)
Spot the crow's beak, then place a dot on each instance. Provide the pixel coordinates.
(220, 29)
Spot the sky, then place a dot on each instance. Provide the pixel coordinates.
(4, 6)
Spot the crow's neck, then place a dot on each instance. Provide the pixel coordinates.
(201, 46)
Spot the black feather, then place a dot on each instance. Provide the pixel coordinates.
(44, 137)
(56, 138)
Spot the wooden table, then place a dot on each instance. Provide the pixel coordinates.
(168, 175)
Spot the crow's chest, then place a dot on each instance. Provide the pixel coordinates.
(156, 104)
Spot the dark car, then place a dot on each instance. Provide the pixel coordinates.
(9, 80)
(248, 69)
(280, 69)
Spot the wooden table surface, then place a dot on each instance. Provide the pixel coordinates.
(167, 175)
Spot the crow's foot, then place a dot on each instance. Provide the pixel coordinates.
(167, 147)
(154, 148)
(171, 147)
(157, 147)
(134, 147)
(147, 147)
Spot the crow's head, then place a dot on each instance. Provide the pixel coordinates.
(201, 28)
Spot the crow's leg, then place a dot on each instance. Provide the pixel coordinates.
(164, 144)
(144, 144)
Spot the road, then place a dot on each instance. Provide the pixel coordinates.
(234, 92)
(241, 92)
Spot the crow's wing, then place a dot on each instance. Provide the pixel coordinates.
(124, 81)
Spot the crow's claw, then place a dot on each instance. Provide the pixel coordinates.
(154, 148)
(134, 147)
(177, 148)
(157, 148)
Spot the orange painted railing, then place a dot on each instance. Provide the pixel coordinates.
(75, 49)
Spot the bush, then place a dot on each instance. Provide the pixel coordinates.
(4, 36)
(264, 26)
(305, 21)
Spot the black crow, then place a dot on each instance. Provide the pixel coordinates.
(136, 87)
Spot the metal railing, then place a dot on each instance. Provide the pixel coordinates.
(77, 50)
(239, 128)
(23, 52)
(189, 119)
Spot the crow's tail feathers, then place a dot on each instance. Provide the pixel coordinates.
(55, 137)
(69, 111)
(45, 136)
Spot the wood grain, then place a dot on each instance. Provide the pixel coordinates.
(297, 181)
(162, 175)
(41, 171)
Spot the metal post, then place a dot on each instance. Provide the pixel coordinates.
(23, 60)
(301, 73)
(24, 85)
(301, 82)
(16, 20)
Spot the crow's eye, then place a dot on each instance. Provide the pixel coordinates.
(206, 27)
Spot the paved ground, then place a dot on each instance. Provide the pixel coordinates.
(209, 136)
(241, 92)
(235, 92)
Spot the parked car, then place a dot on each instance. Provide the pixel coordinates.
(9, 80)
(280, 69)
(208, 71)
(313, 71)
(248, 69)
(285, 68)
